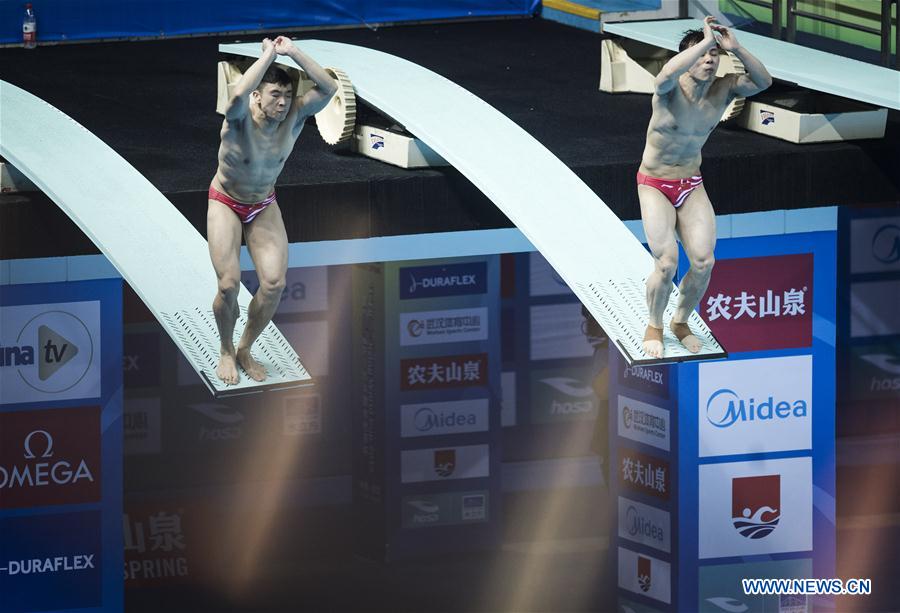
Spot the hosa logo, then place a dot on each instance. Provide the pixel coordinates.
(580, 398)
(886, 244)
(725, 408)
(228, 422)
(425, 511)
(888, 364)
(450, 280)
(427, 420)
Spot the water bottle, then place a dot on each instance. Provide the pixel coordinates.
(29, 28)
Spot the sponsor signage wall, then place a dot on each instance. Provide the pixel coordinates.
(750, 438)
(868, 369)
(550, 400)
(427, 368)
(61, 370)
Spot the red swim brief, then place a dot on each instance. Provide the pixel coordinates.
(676, 190)
(246, 212)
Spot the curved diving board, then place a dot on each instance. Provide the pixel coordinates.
(154, 248)
(583, 240)
(810, 68)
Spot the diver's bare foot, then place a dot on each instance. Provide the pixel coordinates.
(227, 369)
(683, 333)
(253, 368)
(653, 342)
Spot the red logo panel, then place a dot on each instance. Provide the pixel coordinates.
(756, 505)
(761, 303)
(644, 473)
(49, 457)
(444, 371)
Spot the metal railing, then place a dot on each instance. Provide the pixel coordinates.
(883, 31)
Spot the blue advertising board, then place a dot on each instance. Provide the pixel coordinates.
(61, 446)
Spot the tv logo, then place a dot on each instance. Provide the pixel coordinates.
(51, 349)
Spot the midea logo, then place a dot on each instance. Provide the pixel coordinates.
(638, 525)
(726, 408)
(426, 419)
